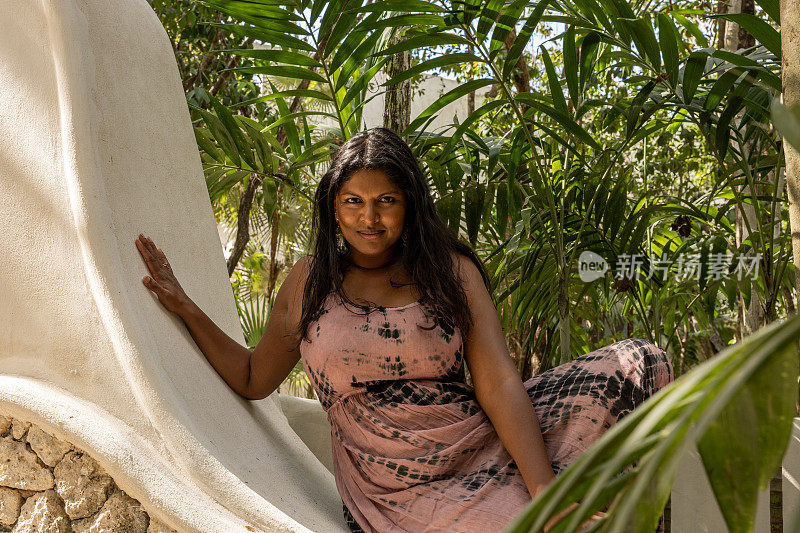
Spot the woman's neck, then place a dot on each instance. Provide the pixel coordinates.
(377, 264)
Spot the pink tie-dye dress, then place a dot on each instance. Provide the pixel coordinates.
(412, 449)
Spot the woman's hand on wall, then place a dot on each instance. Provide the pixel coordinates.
(161, 280)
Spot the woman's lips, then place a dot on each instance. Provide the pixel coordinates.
(371, 235)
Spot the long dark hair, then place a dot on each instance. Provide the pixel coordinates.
(427, 253)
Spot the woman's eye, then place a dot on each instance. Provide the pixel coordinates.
(388, 199)
(351, 200)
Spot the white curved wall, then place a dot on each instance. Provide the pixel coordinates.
(95, 147)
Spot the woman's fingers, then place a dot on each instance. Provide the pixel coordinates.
(145, 253)
(154, 257)
(163, 259)
(161, 280)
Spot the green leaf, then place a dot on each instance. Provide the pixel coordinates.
(488, 15)
(589, 47)
(523, 37)
(668, 38)
(506, 22)
(306, 93)
(226, 180)
(475, 194)
(721, 88)
(469, 10)
(559, 103)
(758, 28)
(470, 120)
(333, 11)
(204, 141)
(359, 58)
(692, 72)
(771, 8)
(222, 135)
(692, 28)
(414, 20)
(277, 20)
(269, 189)
(437, 62)
(445, 99)
(316, 10)
(344, 27)
(657, 432)
(349, 45)
(284, 71)
(265, 10)
(268, 36)
(768, 77)
(571, 65)
(425, 40)
(361, 84)
(723, 125)
(259, 142)
(288, 118)
(753, 424)
(566, 122)
(592, 7)
(289, 126)
(280, 56)
(501, 202)
(415, 6)
(645, 39)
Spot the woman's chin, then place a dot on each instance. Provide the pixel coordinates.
(373, 248)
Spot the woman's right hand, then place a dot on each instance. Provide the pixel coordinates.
(161, 279)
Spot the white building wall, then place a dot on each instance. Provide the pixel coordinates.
(430, 89)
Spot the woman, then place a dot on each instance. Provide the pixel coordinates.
(384, 315)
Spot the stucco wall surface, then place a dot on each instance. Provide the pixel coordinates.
(695, 509)
(96, 147)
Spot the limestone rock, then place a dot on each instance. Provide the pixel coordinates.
(5, 424)
(19, 428)
(120, 514)
(82, 484)
(157, 526)
(19, 468)
(42, 513)
(49, 449)
(10, 503)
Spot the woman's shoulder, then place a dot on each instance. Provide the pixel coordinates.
(299, 272)
(303, 265)
(466, 270)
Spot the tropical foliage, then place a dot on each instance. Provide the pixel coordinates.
(607, 129)
(741, 434)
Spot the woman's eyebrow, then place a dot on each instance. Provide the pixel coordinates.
(393, 191)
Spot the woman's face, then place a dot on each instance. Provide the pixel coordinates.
(371, 210)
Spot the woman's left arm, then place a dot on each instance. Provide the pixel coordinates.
(498, 387)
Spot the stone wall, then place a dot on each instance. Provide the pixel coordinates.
(50, 486)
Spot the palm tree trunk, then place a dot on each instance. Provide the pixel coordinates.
(790, 44)
(397, 106)
(749, 317)
(790, 37)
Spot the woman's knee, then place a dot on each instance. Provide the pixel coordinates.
(655, 363)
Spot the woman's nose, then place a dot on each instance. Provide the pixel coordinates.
(370, 212)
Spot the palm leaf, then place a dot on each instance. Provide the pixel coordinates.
(654, 436)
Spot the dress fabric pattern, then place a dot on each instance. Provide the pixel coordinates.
(412, 449)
